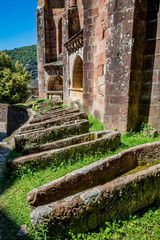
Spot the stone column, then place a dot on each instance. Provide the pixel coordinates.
(73, 3)
(41, 58)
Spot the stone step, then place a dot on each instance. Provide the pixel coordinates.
(48, 116)
(103, 142)
(68, 129)
(54, 121)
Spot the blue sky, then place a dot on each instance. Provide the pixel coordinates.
(17, 23)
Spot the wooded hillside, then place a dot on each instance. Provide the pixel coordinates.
(27, 56)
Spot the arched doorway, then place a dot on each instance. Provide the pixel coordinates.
(77, 80)
(78, 73)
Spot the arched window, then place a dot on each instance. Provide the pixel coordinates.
(78, 73)
(60, 36)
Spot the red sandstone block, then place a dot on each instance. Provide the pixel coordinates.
(90, 74)
(89, 66)
(101, 58)
(100, 70)
(93, 12)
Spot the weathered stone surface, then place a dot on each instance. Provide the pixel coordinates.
(103, 142)
(62, 143)
(54, 122)
(51, 134)
(3, 112)
(17, 116)
(87, 210)
(93, 175)
(48, 116)
(40, 106)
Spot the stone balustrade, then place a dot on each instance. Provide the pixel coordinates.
(75, 42)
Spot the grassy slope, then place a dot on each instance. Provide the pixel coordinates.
(14, 207)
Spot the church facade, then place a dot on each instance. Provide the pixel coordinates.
(104, 55)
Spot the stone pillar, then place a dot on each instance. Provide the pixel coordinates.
(91, 10)
(65, 33)
(73, 3)
(41, 57)
(125, 44)
(150, 92)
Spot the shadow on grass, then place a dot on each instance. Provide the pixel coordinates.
(10, 229)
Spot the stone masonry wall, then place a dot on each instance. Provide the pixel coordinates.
(150, 93)
(99, 62)
(16, 117)
(91, 9)
(3, 112)
(118, 63)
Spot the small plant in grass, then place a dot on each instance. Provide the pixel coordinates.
(65, 106)
(42, 233)
(94, 124)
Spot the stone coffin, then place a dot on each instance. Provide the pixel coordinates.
(87, 210)
(54, 122)
(84, 199)
(40, 106)
(103, 141)
(93, 175)
(37, 137)
(55, 114)
(84, 138)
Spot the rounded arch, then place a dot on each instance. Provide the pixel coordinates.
(78, 73)
(55, 83)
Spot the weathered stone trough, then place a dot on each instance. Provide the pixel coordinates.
(87, 197)
(84, 138)
(39, 106)
(54, 121)
(64, 150)
(68, 129)
(55, 114)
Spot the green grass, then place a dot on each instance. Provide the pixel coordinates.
(13, 205)
(94, 124)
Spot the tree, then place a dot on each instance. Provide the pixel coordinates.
(13, 81)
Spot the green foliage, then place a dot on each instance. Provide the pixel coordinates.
(5, 62)
(26, 56)
(13, 81)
